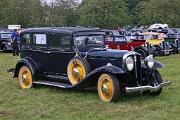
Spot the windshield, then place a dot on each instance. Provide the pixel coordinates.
(115, 33)
(89, 40)
(120, 39)
(5, 35)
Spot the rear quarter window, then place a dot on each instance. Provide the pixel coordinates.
(40, 40)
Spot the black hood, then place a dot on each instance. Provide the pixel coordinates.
(106, 53)
(99, 58)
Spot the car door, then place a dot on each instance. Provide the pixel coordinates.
(60, 53)
(40, 51)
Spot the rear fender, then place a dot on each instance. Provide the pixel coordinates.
(26, 62)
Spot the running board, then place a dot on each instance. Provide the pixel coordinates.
(55, 84)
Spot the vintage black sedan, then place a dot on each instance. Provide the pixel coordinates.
(73, 57)
(5, 41)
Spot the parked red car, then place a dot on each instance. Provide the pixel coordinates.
(116, 41)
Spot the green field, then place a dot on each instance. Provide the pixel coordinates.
(52, 103)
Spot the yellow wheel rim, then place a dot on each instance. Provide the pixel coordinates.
(76, 71)
(105, 88)
(25, 78)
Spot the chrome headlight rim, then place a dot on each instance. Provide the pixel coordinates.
(129, 63)
(149, 61)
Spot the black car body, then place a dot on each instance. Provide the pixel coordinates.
(73, 57)
(174, 41)
(5, 41)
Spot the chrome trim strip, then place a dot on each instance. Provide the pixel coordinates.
(147, 88)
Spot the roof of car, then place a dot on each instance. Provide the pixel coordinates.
(60, 29)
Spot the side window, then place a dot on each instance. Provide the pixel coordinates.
(26, 40)
(40, 40)
(60, 41)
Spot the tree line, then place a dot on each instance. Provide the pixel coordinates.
(94, 13)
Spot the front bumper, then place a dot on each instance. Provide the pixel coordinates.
(147, 88)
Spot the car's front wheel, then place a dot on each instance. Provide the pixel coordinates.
(108, 88)
(25, 78)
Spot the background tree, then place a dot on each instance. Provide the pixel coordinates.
(161, 11)
(103, 13)
(95, 13)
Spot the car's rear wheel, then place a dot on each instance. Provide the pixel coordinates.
(77, 70)
(158, 51)
(25, 78)
(108, 88)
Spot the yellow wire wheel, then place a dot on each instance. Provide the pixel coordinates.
(108, 88)
(25, 77)
(77, 70)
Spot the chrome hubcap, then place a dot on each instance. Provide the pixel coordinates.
(76, 72)
(104, 88)
(24, 78)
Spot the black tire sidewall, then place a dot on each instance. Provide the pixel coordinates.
(159, 80)
(159, 51)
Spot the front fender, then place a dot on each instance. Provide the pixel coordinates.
(27, 62)
(8, 47)
(156, 65)
(97, 72)
(109, 69)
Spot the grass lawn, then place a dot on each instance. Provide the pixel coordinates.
(52, 103)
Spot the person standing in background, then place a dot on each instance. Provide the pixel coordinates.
(14, 38)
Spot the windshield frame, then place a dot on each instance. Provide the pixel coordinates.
(89, 45)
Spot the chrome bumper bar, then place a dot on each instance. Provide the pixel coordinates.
(147, 88)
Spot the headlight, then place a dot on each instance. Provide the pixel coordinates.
(149, 61)
(129, 63)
